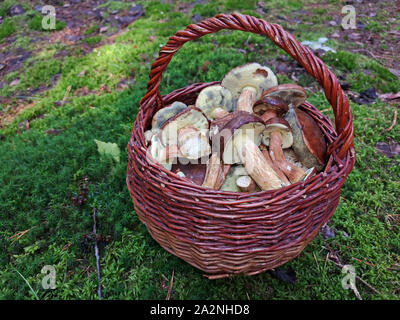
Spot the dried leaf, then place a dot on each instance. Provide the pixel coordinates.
(388, 149)
(389, 96)
(53, 132)
(288, 276)
(327, 232)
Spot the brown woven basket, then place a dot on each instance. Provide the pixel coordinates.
(224, 233)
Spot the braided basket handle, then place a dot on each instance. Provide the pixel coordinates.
(303, 55)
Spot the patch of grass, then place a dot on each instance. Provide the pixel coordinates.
(6, 28)
(36, 24)
(240, 5)
(93, 28)
(92, 40)
(115, 5)
(4, 6)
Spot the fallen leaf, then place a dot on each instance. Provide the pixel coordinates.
(326, 232)
(389, 96)
(288, 276)
(109, 149)
(82, 73)
(53, 132)
(205, 65)
(388, 149)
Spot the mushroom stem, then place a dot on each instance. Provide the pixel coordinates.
(246, 99)
(246, 184)
(256, 164)
(269, 114)
(223, 172)
(293, 172)
(212, 172)
(169, 152)
(219, 113)
(274, 167)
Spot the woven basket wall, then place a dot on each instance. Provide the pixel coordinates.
(225, 233)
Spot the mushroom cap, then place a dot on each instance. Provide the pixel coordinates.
(281, 125)
(289, 92)
(214, 97)
(308, 140)
(243, 123)
(162, 115)
(190, 116)
(194, 172)
(155, 149)
(270, 103)
(249, 75)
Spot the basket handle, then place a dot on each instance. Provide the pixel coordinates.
(303, 55)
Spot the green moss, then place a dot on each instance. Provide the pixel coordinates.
(36, 24)
(240, 5)
(6, 29)
(92, 40)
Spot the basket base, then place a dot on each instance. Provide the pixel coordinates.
(217, 264)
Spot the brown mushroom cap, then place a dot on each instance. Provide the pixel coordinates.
(241, 123)
(281, 125)
(193, 172)
(270, 103)
(290, 93)
(308, 140)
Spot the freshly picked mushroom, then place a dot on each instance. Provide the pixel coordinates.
(188, 130)
(308, 140)
(278, 135)
(246, 134)
(270, 107)
(290, 93)
(247, 83)
(240, 138)
(194, 172)
(215, 101)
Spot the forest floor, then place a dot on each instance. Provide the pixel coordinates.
(63, 89)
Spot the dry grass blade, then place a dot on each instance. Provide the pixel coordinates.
(394, 122)
(20, 234)
(171, 283)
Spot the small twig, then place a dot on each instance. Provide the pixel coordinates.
(171, 283)
(367, 263)
(394, 122)
(18, 235)
(66, 94)
(96, 253)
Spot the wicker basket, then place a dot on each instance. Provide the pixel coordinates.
(225, 233)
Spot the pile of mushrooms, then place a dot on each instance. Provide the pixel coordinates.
(245, 135)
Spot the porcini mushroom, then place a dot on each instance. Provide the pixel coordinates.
(289, 92)
(193, 172)
(162, 115)
(247, 83)
(308, 140)
(270, 107)
(212, 172)
(277, 135)
(246, 184)
(215, 101)
(188, 130)
(240, 139)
